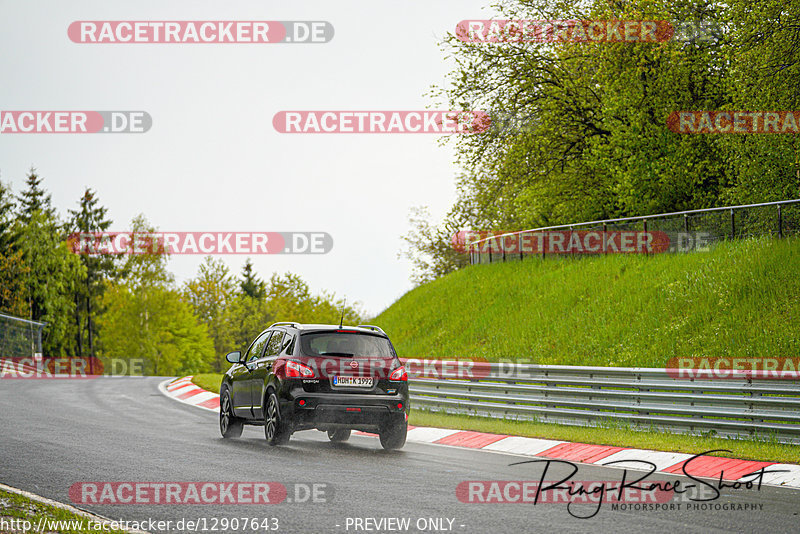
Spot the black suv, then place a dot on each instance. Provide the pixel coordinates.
(332, 378)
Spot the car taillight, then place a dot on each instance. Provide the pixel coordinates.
(399, 374)
(298, 370)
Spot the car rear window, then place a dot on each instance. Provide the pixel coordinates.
(345, 344)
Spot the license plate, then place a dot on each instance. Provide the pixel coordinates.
(352, 381)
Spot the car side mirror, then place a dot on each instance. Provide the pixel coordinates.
(234, 357)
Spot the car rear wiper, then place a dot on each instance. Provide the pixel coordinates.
(336, 354)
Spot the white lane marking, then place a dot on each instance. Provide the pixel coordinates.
(520, 445)
(662, 460)
(182, 389)
(790, 478)
(202, 397)
(429, 435)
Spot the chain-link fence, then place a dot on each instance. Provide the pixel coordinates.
(20, 338)
(681, 231)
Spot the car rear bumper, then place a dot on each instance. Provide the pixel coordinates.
(343, 410)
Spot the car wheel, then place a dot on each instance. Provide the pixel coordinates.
(275, 428)
(393, 436)
(339, 434)
(229, 425)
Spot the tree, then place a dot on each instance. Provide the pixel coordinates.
(146, 317)
(156, 325)
(289, 298)
(430, 248)
(250, 284)
(13, 287)
(245, 318)
(53, 272)
(210, 295)
(149, 268)
(7, 207)
(583, 127)
(579, 130)
(34, 199)
(90, 217)
(764, 75)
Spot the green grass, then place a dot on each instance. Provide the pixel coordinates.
(13, 506)
(208, 381)
(739, 299)
(619, 436)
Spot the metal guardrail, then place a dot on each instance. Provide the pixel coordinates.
(642, 398)
(779, 218)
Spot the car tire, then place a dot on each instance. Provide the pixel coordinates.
(230, 426)
(276, 430)
(393, 436)
(339, 434)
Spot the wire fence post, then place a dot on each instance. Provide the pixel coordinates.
(645, 235)
(541, 242)
(733, 224)
(571, 252)
(780, 221)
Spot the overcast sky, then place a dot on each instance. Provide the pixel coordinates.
(212, 160)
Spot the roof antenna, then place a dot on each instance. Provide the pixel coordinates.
(341, 320)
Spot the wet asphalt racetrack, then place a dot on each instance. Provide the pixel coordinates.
(59, 432)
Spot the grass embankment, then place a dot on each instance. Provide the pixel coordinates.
(208, 381)
(15, 509)
(619, 436)
(740, 299)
